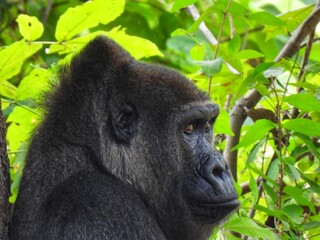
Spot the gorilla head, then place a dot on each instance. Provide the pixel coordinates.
(142, 130)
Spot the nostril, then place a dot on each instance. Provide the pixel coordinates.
(218, 171)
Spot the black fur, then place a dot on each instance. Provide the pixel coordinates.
(111, 159)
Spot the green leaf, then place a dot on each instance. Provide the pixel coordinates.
(256, 132)
(30, 27)
(150, 13)
(294, 212)
(34, 84)
(303, 101)
(270, 191)
(197, 52)
(7, 90)
(178, 4)
(178, 32)
(254, 151)
(249, 54)
(298, 195)
(254, 189)
(13, 56)
(22, 124)
(249, 80)
(136, 46)
(248, 227)
(309, 143)
(265, 18)
(222, 125)
(88, 15)
(294, 18)
(210, 67)
(303, 126)
(268, 211)
(11, 60)
(234, 45)
(311, 225)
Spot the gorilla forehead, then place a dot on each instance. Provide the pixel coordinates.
(154, 85)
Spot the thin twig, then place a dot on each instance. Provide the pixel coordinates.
(202, 26)
(221, 28)
(207, 33)
(47, 12)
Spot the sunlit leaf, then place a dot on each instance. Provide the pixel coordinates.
(11, 59)
(234, 45)
(138, 47)
(254, 189)
(13, 56)
(303, 126)
(7, 90)
(222, 125)
(34, 84)
(179, 31)
(256, 132)
(30, 27)
(248, 227)
(266, 18)
(303, 101)
(178, 4)
(88, 15)
(197, 52)
(22, 122)
(249, 54)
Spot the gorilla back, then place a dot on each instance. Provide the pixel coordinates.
(124, 152)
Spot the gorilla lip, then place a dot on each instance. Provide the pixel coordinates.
(233, 202)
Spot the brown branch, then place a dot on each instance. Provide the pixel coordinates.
(4, 182)
(299, 35)
(238, 114)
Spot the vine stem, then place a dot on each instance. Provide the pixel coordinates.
(221, 28)
(219, 38)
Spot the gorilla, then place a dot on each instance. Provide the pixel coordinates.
(124, 152)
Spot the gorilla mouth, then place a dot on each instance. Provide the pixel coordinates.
(229, 203)
(214, 211)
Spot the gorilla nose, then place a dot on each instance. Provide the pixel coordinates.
(218, 168)
(212, 168)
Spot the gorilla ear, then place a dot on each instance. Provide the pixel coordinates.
(124, 124)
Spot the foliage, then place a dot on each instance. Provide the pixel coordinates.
(228, 50)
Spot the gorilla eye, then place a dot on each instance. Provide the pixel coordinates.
(207, 126)
(188, 128)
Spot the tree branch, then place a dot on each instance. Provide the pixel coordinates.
(207, 33)
(238, 114)
(307, 27)
(202, 27)
(4, 182)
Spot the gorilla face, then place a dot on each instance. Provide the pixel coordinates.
(209, 192)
